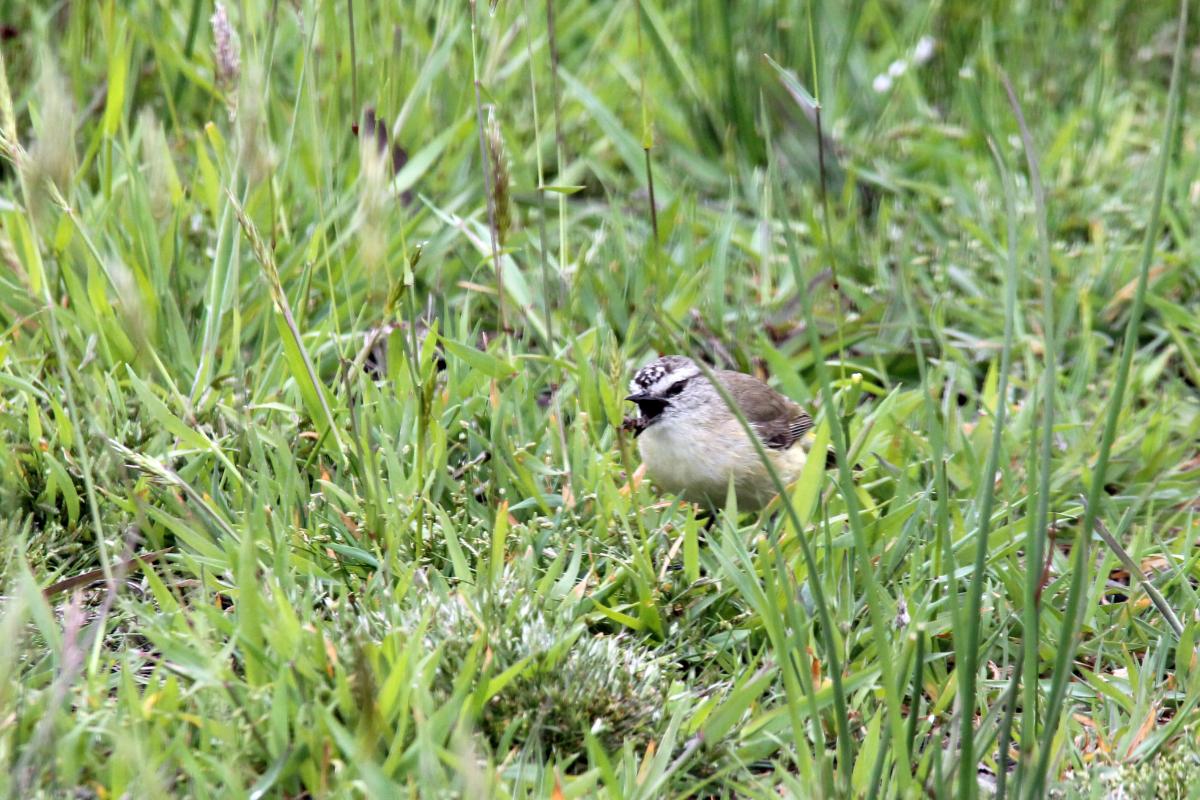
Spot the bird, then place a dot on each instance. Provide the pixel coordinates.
(692, 445)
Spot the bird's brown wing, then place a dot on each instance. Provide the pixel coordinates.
(779, 421)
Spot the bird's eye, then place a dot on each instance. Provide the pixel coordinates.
(675, 388)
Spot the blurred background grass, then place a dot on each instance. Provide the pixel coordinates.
(330, 308)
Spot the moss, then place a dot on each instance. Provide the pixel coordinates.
(574, 681)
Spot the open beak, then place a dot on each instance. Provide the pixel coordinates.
(649, 406)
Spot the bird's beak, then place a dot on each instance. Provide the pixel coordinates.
(649, 407)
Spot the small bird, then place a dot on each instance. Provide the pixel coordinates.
(692, 444)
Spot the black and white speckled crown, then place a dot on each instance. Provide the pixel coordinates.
(649, 376)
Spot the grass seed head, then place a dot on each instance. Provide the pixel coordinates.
(255, 152)
(226, 51)
(8, 119)
(372, 199)
(161, 179)
(129, 303)
(52, 154)
(501, 183)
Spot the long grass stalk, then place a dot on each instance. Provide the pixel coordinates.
(943, 557)
(1011, 215)
(17, 155)
(1071, 621)
(875, 597)
(647, 128)
(1038, 521)
(1136, 573)
(544, 259)
(841, 448)
(968, 658)
(267, 261)
(560, 149)
(820, 601)
(549, 280)
(189, 44)
(486, 166)
(354, 109)
(1010, 698)
(224, 257)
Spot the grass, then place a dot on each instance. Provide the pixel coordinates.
(312, 474)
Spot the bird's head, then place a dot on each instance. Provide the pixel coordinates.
(661, 386)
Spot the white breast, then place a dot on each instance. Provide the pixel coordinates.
(696, 462)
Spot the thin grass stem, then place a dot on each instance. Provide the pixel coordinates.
(968, 781)
(1071, 621)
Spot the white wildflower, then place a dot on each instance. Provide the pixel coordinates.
(923, 51)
